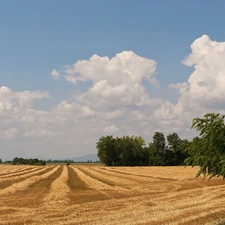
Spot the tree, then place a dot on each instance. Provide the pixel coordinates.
(22, 161)
(131, 150)
(159, 141)
(125, 151)
(173, 141)
(177, 146)
(159, 154)
(0, 161)
(106, 150)
(208, 150)
(182, 153)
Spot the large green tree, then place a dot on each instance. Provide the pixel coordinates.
(125, 151)
(177, 146)
(107, 152)
(208, 150)
(132, 152)
(159, 154)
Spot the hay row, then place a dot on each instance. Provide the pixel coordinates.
(23, 185)
(165, 172)
(124, 175)
(7, 169)
(21, 172)
(123, 211)
(59, 189)
(40, 169)
(132, 182)
(91, 182)
(191, 206)
(115, 178)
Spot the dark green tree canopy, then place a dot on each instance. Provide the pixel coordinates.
(173, 141)
(131, 151)
(125, 151)
(22, 161)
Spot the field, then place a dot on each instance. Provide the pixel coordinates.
(88, 194)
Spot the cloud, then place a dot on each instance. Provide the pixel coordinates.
(55, 74)
(125, 67)
(205, 86)
(115, 101)
(182, 86)
(116, 90)
(10, 133)
(111, 129)
(203, 92)
(16, 103)
(16, 111)
(112, 114)
(116, 82)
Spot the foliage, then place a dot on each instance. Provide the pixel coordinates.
(125, 151)
(8, 162)
(157, 150)
(59, 161)
(131, 151)
(106, 151)
(208, 150)
(22, 161)
(178, 148)
(0, 161)
(166, 155)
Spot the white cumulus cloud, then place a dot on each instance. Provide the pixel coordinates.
(125, 67)
(115, 102)
(205, 86)
(55, 74)
(111, 129)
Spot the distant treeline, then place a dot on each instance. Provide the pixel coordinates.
(22, 161)
(132, 150)
(59, 161)
(35, 161)
(69, 161)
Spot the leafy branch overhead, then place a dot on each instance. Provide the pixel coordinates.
(208, 150)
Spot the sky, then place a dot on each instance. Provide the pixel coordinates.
(72, 71)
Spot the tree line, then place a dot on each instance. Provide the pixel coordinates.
(60, 161)
(35, 161)
(31, 161)
(132, 150)
(207, 151)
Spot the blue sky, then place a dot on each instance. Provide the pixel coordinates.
(39, 36)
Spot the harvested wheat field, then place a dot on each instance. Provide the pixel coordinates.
(91, 194)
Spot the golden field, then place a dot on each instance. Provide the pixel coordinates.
(94, 194)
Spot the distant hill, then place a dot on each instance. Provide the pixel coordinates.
(85, 158)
